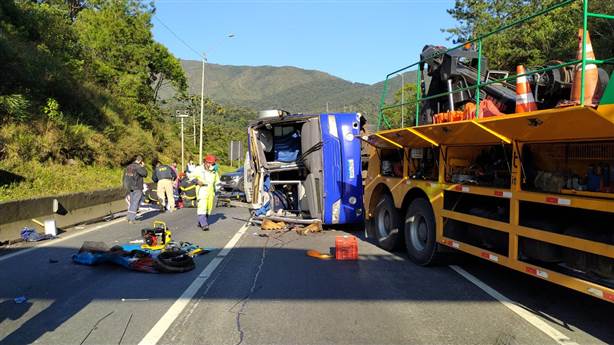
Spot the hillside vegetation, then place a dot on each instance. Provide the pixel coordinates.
(294, 89)
(77, 96)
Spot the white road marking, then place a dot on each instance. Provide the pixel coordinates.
(158, 330)
(61, 239)
(513, 306)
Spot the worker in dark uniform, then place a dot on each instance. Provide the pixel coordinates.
(187, 189)
(133, 183)
(165, 176)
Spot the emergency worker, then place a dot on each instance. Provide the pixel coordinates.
(206, 179)
(133, 183)
(165, 176)
(187, 190)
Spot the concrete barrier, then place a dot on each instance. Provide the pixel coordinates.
(66, 210)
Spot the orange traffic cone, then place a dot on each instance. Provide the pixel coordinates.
(591, 74)
(524, 98)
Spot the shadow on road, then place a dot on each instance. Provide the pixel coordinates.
(287, 274)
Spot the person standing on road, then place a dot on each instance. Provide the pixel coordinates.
(133, 183)
(206, 179)
(165, 176)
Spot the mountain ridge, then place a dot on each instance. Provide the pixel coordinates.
(285, 87)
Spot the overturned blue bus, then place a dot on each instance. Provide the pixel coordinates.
(305, 168)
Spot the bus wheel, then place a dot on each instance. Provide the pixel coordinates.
(386, 224)
(420, 232)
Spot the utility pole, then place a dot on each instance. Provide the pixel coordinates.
(182, 114)
(202, 104)
(402, 100)
(202, 111)
(327, 107)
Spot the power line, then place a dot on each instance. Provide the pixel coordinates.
(178, 38)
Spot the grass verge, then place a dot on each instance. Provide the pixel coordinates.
(25, 180)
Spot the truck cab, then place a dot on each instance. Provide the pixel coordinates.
(305, 167)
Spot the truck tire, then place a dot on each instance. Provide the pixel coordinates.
(419, 230)
(385, 223)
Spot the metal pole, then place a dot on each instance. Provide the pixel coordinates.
(194, 127)
(450, 95)
(479, 81)
(202, 111)
(583, 65)
(182, 147)
(418, 93)
(402, 100)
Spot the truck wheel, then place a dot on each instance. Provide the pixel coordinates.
(386, 223)
(420, 232)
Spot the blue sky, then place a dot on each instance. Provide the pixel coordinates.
(357, 40)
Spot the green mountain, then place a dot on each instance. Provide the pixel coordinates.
(289, 88)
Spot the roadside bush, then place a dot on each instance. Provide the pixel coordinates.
(21, 143)
(14, 107)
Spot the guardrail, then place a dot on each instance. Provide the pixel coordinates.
(479, 85)
(66, 210)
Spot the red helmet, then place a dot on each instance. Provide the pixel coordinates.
(210, 159)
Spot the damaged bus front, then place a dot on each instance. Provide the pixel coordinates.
(305, 168)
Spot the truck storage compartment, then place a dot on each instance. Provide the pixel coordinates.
(424, 163)
(585, 169)
(477, 205)
(589, 266)
(477, 236)
(391, 162)
(487, 165)
(590, 225)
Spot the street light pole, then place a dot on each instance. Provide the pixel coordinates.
(202, 104)
(402, 100)
(182, 115)
(182, 147)
(202, 111)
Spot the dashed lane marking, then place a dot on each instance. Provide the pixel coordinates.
(531, 318)
(165, 322)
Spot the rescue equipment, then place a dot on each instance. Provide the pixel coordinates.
(157, 237)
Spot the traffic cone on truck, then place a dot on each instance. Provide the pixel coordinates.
(525, 101)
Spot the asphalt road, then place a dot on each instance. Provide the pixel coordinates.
(267, 291)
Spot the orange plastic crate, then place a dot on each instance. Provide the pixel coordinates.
(346, 248)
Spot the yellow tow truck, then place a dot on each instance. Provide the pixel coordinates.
(531, 190)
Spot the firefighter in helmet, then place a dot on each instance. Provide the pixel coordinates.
(206, 179)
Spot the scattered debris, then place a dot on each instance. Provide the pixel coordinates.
(20, 299)
(135, 299)
(50, 227)
(346, 248)
(136, 241)
(316, 254)
(268, 224)
(30, 235)
(38, 222)
(311, 228)
(157, 253)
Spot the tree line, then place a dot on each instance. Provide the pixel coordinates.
(79, 83)
(546, 40)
